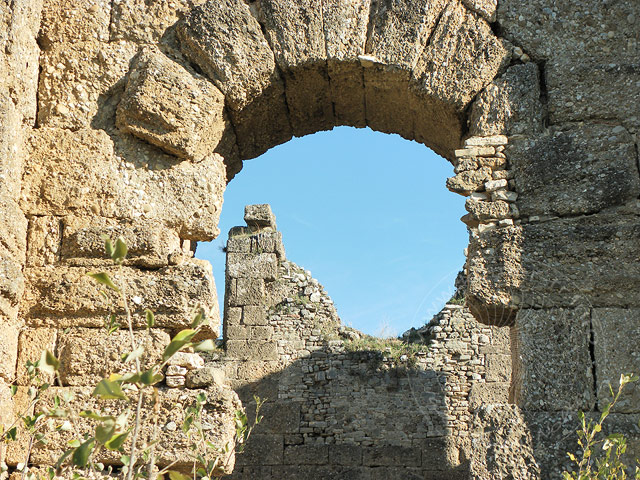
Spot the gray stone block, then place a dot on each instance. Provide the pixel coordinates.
(391, 455)
(306, 455)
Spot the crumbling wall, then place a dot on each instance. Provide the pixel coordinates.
(338, 402)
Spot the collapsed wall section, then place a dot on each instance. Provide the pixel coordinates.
(340, 402)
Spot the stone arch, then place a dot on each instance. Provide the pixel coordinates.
(292, 68)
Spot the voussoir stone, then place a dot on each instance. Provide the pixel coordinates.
(177, 110)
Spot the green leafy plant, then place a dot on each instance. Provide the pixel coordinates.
(601, 456)
(137, 396)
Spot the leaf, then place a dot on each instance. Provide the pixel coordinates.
(109, 390)
(48, 364)
(173, 475)
(12, 433)
(150, 377)
(178, 342)
(81, 454)
(108, 245)
(104, 279)
(94, 416)
(133, 355)
(120, 250)
(105, 431)
(205, 346)
(14, 390)
(198, 318)
(151, 319)
(116, 442)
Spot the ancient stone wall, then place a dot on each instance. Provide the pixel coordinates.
(341, 403)
(129, 116)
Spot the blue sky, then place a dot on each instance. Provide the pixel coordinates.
(367, 213)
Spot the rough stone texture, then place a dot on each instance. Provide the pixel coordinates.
(510, 104)
(590, 167)
(8, 349)
(118, 183)
(31, 344)
(553, 367)
(616, 354)
(153, 108)
(219, 31)
(85, 20)
(67, 297)
(89, 355)
(501, 445)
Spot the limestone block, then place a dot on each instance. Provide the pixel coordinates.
(399, 31)
(462, 57)
(245, 291)
(177, 110)
(391, 455)
(591, 167)
(83, 21)
(67, 297)
(146, 22)
(251, 265)
(485, 8)
(254, 315)
(348, 455)
(218, 412)
(553, 370)
(510, 104)
(345, 30)
(78, 80)
(252, 349)
(226, 42)
(488, 393)
(259, 216)
(8, 348)
(494, 275)
(11, 283)
(296, 35)
(261, 242)
(13, 235)
(31, 343)
(501, 445)
(45, 235)
(204, 377)
(124, 179)
(88, 355)
(586, 271)
(6, 405)
(150, 244)
(263, 450)
(488, 210)
(469, 181)
(10, 148)
(281, 417)
(622, 80)
(306, 455)
(498, 367)
(616, 333)
(560, 30)
(19, 24)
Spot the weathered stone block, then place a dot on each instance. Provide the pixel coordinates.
(45, 235)
(554, 364)
(486, 393)
(391, 455)
(150, 244)
(154, 109)
(263, 450)
(485, 8)
(591, 167)
(31, 343)
(616, 335)
(124, 179)
(462, 57)
(488, 210)
(622, 79)
(67, 297)
(205, 377)
(11, 284)
(245, 291)
(76, 80)
(13, 235)
(251, 265)
(306, 455)
(8, 349)
(11, 158)
(89, 355)
(87, 20)
(145, 22)
(254, 315)
(510, 104)
(397, 473)
(241, 332)
(585, 271)
(498, 367)
(172, 446)
(252, 350)
(344, 454)
(259, 216)
(469, 181)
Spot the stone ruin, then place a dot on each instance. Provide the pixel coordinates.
(129, 117)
